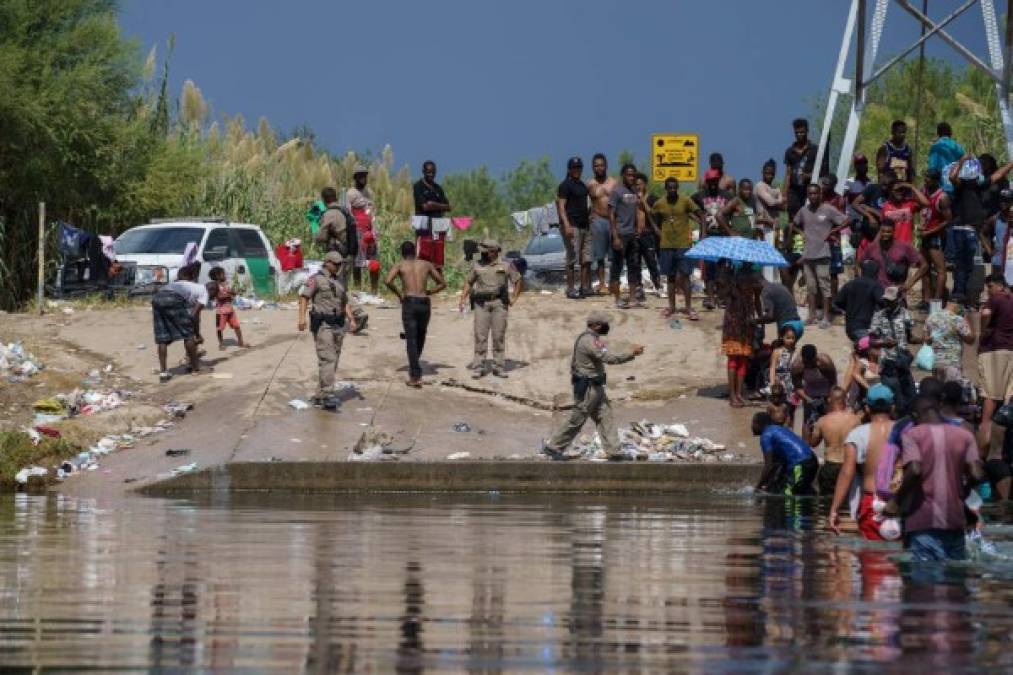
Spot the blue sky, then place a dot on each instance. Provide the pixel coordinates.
(471, 82)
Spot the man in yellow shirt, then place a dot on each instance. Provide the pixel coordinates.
(673, 214)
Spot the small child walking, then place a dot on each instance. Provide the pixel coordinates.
(225, 313)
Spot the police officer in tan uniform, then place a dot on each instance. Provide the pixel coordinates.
(330, 315)
(492, 286)
(587, 373)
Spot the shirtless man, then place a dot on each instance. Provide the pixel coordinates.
(415, 307)
(833, 428)
(599, 189)
(864, 446)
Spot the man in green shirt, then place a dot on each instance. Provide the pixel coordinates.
(673, 214)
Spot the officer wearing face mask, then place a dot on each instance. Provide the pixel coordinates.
(587, 370)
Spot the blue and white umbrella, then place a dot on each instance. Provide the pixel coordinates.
(738, 249)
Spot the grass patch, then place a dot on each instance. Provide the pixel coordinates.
(17, 451)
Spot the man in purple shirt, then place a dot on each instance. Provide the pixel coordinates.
(894, 257)
(941, 465)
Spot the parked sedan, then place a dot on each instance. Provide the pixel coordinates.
(546, 260)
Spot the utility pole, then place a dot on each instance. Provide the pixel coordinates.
(41, 282)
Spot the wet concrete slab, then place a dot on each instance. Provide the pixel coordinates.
(476, 476)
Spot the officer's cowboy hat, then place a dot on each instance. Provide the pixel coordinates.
(489, 245)
(334, 257)
(597, 317)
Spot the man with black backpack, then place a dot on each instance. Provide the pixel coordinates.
(337, 228)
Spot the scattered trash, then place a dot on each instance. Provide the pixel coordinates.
(675, 324)
(221, 376)
(48, 405)
(374, 445)
(544, 292)
(362, 298)
(298, 404)
(47, 431)
(651, 442)
(186, 468)
(454, 456)
(141, 347)
(461, 427)
(177, 409)
(177, 452)
(22, 476)
(242, 302)
(295, 440)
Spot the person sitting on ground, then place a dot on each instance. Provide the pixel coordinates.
(863, 449)
(947, 331)
(789, 464)
(737, 334)
(940, 465)
(176, 309)
(863, 370)
(225, 314)
(779, 408)
(858, 299)
(833, 428)
(813, 375)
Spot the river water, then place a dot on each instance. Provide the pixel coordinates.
(486, 583)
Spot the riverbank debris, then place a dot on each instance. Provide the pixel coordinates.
(647, 441)
(16, 364)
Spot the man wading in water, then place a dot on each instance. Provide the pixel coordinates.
(415, 306)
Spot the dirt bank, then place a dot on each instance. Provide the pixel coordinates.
(241, 405)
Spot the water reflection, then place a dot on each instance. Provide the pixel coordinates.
(418, 584)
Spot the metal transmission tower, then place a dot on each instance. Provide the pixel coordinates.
(998, 67)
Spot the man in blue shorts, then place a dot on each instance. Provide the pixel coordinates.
(789, 464)
(672, 215)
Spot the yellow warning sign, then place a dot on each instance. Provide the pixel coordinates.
(674, 156)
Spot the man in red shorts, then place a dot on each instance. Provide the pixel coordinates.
(864, 446)
(430, 201)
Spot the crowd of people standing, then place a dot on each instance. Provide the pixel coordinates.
(858, 250)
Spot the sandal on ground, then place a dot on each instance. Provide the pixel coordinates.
(693, 316)
(667, 313)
